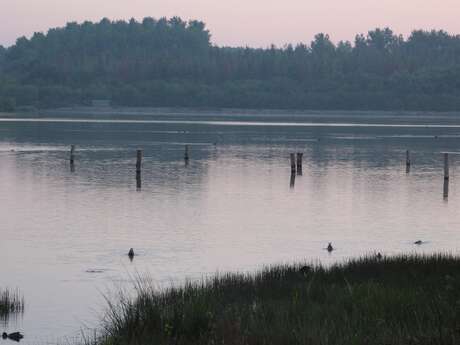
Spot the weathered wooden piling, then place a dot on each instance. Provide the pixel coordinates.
(446, 176)
(186, 153)
(293, 167)
(446, 166)
(407, 161)
(72, 154)
(139, 161)
(138, 169)
(299, 163)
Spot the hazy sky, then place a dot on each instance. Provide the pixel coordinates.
(241, 22)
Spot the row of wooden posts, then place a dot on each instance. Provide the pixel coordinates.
(139, 165)
(296, 166)
(446, 171)
(139, 159)
(139, 156)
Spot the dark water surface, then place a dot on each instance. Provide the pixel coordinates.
(65, 235)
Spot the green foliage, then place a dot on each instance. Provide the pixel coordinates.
(401, 300)
(170, 62)
(2, 55)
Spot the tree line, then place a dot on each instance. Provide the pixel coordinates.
(172, 62)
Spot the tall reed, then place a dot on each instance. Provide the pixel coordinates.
(11, 302)
(404, 300)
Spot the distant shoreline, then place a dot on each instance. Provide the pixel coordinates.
(198, 111)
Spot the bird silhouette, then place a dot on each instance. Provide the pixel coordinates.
(16, 336)
(131, 253)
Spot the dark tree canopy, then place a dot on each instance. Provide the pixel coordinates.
(170, 62)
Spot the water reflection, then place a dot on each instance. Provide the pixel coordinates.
(11, 307)
(446, 189)
(292, 180)
(138, 181)
(299, 163)
(229, 210)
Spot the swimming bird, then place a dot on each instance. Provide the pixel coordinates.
(419, 242)
(16, 336)
(131, 253)
(329, 247)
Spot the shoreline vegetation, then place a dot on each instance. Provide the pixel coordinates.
(406, 299)
(173, 63)
(11, 302)
(216, 113)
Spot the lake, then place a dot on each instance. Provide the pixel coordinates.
(65, 234)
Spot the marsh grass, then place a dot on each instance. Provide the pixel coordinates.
(398, 300)
(11, 302)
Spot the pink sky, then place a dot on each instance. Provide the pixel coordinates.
(241, 22)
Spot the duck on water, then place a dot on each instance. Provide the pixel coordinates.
(131, 254)
(16, 336)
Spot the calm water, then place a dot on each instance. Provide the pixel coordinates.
(65, 235)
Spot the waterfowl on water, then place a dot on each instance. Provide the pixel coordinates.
(330, 248)
(131, 253)
(419, 242)
(16, 336)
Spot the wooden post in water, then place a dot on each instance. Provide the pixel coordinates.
(407, 161)
(138, 169)
(139, 161)
(299, 163)
(72, 154)
(292, 163)
(446, 176)
(186, 154)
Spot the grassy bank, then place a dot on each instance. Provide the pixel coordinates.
(10, 302)
(399, 300)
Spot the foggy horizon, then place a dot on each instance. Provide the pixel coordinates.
(237, 24)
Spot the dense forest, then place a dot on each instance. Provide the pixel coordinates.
(170, 62)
